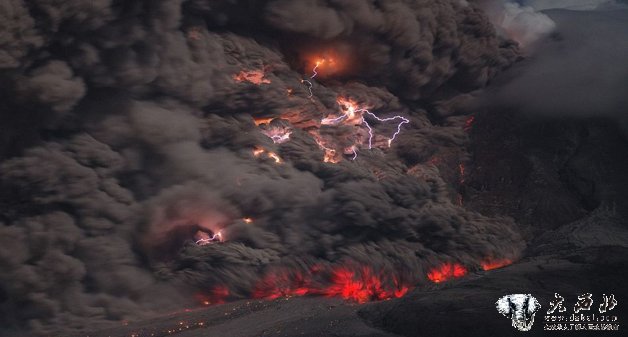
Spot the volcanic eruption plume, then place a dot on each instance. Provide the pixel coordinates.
(144, 136)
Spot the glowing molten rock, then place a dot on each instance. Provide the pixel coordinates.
(363, 287)
(491, 264)
(253, 76)
(357, 284)
(446, 271)
(259, 151)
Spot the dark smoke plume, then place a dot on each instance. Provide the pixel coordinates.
(128, 130)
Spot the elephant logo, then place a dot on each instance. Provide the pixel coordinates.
(520, 308)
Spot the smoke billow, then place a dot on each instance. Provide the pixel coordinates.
(131, 127)
(521, 23)
(574, 72)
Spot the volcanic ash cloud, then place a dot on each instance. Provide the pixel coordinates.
(139, 157)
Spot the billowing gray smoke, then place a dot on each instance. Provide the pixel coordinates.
(126, 132)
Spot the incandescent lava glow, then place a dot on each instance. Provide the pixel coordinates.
(247, 220)
(282, 284)
(204, 238)
(259, 121)
(217, 295)
(363, 286)
(359, 284)
(490, 264)
(259, 151)
(257, 77)
(329, 155)
(446, 271)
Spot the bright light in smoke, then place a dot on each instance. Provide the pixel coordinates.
(259, 121)
(308, 81)
(446, 271)
(490, 264)
(353, 115)
(277, 130)
(253, 76)
(204, 238)
(258, 151)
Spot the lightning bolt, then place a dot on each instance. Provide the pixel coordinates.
(206, 241)
(308, 82)
(397, 117)
(351, 111)
(350, 114)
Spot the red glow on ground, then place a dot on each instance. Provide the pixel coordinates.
(353, 283)
(446, 271)
(282, 284)
(491, 264)
(216, 295)
(253, 76)
(361, 285)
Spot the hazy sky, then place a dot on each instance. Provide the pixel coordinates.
(568, 4)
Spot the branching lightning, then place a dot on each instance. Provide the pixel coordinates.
(352, 115)
(308, 82)
(397, 117)
(206, 239)
(352, 111)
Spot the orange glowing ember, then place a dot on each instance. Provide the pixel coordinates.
(491, 264)
(324, 64)
(253, 76)
(330, 155)
(247, 220)
(446, 272)
(275, 156)
(260, 121)
(258, 151)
